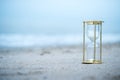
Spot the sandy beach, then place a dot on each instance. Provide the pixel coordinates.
(58, 63)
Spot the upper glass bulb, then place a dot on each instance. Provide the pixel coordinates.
(91, 32)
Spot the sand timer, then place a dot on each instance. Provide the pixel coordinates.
(92, 42)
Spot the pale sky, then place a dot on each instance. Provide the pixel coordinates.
(57, 16)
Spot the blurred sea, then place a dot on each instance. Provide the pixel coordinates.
(22, 40)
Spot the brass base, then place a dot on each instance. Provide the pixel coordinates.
(92, 62)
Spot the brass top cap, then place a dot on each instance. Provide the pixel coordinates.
(93, 22)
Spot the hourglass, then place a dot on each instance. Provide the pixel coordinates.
(92, 42)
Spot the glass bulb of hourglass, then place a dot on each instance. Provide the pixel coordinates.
(90, 33)
(92, 36)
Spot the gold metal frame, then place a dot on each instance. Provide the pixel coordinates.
(84, 47)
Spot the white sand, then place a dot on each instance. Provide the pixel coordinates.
(58, 63)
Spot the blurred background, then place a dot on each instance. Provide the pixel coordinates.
(27, 23)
